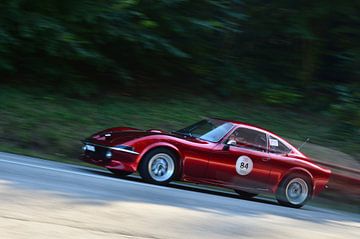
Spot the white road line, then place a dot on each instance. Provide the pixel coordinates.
(104, 171)
(103, 177)
(189, 186)
(121, 180)
(21, 157)
(16, 157)
(85, 174)
(108, 178)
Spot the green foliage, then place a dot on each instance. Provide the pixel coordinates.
(347, 113)
(109, 38)
(277, 95)
(51, 125)
(284, 53)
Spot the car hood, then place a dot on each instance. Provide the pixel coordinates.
(117, 136)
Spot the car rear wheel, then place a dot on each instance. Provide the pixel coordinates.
(120, 173)
(294, 191)
(158, 166)
(244, 194)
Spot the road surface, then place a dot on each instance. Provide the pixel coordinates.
(45, 199)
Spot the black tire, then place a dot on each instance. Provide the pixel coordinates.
(304, 186)
(120, 173)
(244, 194)
(171, 166)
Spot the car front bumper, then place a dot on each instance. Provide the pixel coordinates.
(119, 160)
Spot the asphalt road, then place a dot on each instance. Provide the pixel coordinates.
(45, 199)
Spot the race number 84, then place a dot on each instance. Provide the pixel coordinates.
(244, 165)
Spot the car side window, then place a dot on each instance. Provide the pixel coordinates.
(277, 147)
(248, 138)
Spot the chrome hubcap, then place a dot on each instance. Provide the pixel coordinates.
(297, 191)
(161, 167)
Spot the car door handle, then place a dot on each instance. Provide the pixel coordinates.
(265, 159)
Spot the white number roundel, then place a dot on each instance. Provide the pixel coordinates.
(244, 165)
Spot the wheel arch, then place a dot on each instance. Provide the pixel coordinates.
(167, 146)
(298, 171)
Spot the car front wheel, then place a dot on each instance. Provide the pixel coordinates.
(294, 191)
(158, 166)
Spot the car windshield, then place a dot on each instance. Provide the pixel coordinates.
(209, 129)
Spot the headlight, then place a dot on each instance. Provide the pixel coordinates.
(108, 154)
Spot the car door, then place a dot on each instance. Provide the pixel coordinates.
(196, 159)
(241, 161)
(198, 150)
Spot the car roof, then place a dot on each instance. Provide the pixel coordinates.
(240, 123)
(246, 124)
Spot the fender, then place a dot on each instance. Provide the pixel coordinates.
(296, 170)
(157, 145)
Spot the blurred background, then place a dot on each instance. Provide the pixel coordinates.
(71, 68)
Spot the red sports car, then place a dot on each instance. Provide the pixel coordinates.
(223, 153)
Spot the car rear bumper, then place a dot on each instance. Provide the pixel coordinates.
(319, 186)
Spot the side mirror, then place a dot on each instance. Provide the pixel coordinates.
(229, 143)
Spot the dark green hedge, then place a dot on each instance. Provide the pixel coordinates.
(297, 54)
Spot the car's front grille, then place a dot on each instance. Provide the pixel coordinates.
(98, 155)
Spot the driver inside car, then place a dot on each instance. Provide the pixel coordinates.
(237, 139)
